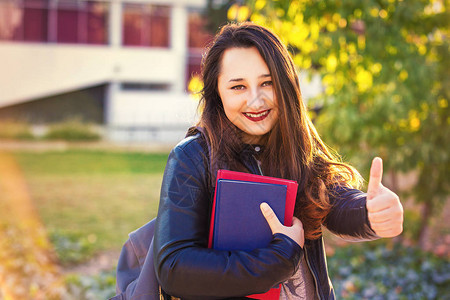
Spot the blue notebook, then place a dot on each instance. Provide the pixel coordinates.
(238, 221)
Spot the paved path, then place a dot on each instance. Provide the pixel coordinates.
(39, 146)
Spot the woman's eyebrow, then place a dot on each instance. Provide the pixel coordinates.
(240, 79)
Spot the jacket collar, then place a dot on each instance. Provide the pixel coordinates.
(248, 158)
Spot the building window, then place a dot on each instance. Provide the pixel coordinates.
(80, 22)
(69, 30)
(25, 20)
(35, 21)
(146, 25)
(97, 24)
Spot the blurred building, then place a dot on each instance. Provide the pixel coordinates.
(121, 63)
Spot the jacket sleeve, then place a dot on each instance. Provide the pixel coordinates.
(348, 215)
(185, 267)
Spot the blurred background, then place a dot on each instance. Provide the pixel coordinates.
(94, 94)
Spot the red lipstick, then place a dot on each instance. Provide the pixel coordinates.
(257, 116)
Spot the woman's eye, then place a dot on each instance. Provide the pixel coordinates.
(238, 87)
(267, 83)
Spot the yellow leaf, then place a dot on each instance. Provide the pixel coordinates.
(376, 68)
(414, 123)
(298, 60)
(259, 4)
(243, 13)
(423, 39)
(361, 42)
(331, 27)
(315, 29)
(340, 80)
(307, 63)
(351, 48)
(293, 10)
(298, 19)
(298, 34)
(343, 57)
(331, 63)
(437, 37)
(363, 79)
(307, 47)
(328, 79)
(238, 13)
(329, 90)
(336, 17)
(232, 12)
(195, 86)
(422, 49)
(280, 12)
(403, 75)
(374, 12)
(258, 19)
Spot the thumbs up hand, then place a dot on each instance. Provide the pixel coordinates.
(295, 232)
(385, 212)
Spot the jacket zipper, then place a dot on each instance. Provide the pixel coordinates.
(312, 273)
(258, 163)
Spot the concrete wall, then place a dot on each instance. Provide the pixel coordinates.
(160, 117)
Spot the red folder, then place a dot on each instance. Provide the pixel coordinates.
(291, 194)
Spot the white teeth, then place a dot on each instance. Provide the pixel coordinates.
(257, 115)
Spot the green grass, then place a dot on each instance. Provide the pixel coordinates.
(86, 162)
(90, 200)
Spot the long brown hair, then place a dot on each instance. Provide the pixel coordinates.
(293, 148)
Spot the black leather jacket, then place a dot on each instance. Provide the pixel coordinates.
(186, 268)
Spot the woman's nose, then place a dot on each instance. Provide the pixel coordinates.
(256, 99)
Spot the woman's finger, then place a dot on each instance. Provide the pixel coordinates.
(274, 224)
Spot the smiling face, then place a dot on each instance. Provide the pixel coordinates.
(246, 89)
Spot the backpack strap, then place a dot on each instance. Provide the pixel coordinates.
(136, 278)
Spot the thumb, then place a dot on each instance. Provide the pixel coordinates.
(274, 224)
(376, 174)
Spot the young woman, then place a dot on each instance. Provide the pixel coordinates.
(253, 120)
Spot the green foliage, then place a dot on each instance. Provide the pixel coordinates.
(14, 130)
(385, 68)
(72, 130)
(363, 271)
(101, 286)
(372, 271)
(79, 162)
(72, 248)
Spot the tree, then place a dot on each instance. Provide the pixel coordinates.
(385, 68)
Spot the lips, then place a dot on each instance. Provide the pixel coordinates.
(257, 116)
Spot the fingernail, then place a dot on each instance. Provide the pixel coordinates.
(265, 207)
